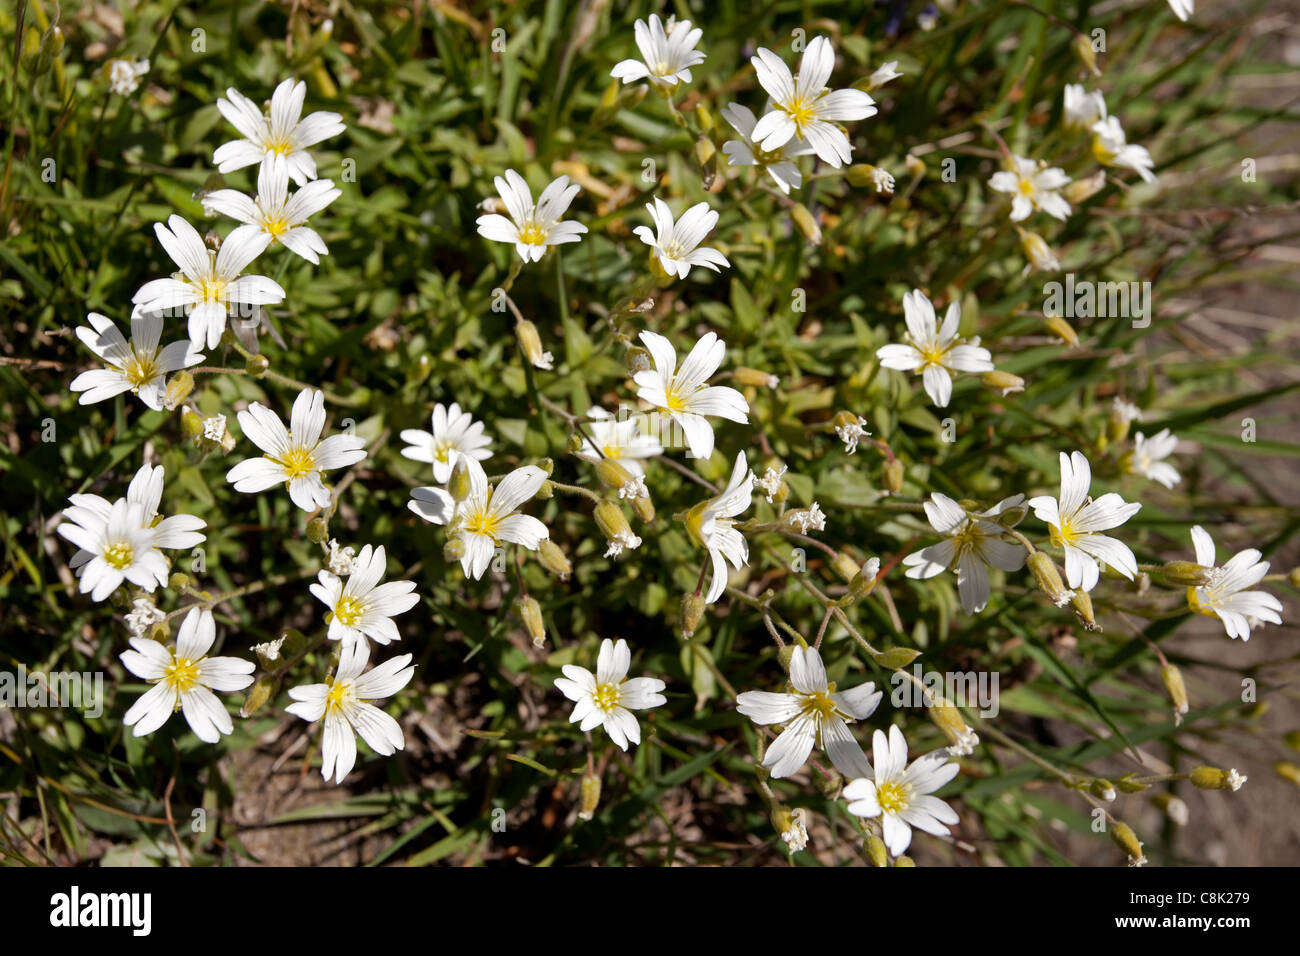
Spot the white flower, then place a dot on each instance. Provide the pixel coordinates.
(710, 524)
(622, 541)
(1032, 185)
(1111, 148)
(1125, 411)
(667, 54)
(1235, 780)
(674, 244)
(1082, 110)
(882, 179)
(344, 702)
(852, 433)
(1182, 8)
(807, 519)
(124, 75)
(934, 350)
(455, 436)
(967, 740)
(682, 392)
(606, 699)
(971, 544)
(280, 131)
(144, 615)
(745, 152)
(120, 541)
(270, 650)
(139, 366)
(619, 441)
(296, 457)
(532, 228)
(209, 284)
(795, 834)
(900, 794)
(277, 214)
(813, 713)
(771, 481)
(185, 680)
(1147, 458)
(804, 107)
(487, 516)
(361, 607)
(1226, 595)
(340, 560)
(883, 74)
(1075, 520)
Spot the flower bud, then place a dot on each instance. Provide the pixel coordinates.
(1185, 573)
(892, 476)
(1038, 252)
(1127, 841)
(261, 691)
(904, 861)
(530, 343)
(783, 656)
(545, 491)
(1293, 578)
(575, 443)
(1012, 516)
(876, 850)
(1082, 47)
(896, 658)
(179, 387)
(1082, 190)
(553, 559)
(1173, 681)
(1130, 784)
(1173, 807)
(318, 531)
(611, 520)
(530, 612)
(845, 567)
(1102, 788)
(1048, 578)
(1063, 330)
(256, 365)
(806, 223)
(453, 550)
(864, 582)
(588, 796)
(704, 150)
(637, 359)
(1004, 383)
(756, 377)
(179, 581)
(460, 484)
(644, 508)
(1212, 778)
(191, 424)
(614, 474)
(692, 613)
(1082, 604)
(1287, 771)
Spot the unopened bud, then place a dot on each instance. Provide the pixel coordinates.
(588, 796)
(637, 359)
(1287, 771)
(644, 508)
(1063, 330)
(1004, 383)
(454, 549)
(1130, 784)
(575, 443)
(1185, 573)
(1173, 807)
(1038, 252)
(692, 613)
(896, 658)
(179, 387)
(1082, 190)
(256, 365)
(1127, 841)
(756, 377)
(530, 612)
(1173, 681)
(259, 694)
(904, 861)
(845, 567)
(1212, 778)
(806, 223)
(1012, 516)
(460, 484)
(876, 852)
(1082, 47)
(191, 424)
(530, 343)
(1293, 578)
(1102, 788)
(611, 520)
(179, 581)
(1044, 570)
(1082, 604)
(864, 582)
(318, 531)
(704, 150)
(553, 559)
(613, 474)
(892, 476)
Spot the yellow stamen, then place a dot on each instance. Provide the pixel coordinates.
(119, 556)
(532, 235)
(298, 462)
(606, 697)
(140, 370)
(182, 674)
(349, 610)
(891, 797)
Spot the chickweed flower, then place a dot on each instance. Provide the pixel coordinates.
(778, 163)
(606, 699)
(1082, 110)
(813, 713)
(361, 607)
(1075, 521)
(532, 228)
(710, 524)
(682, 392)
(850, 429)
(139, 366)
(900, 794)
(297, 457)
(936, 351)
(675, 246)
(667, 54)
(1111, 148)
(620, 441)
(124, 75)
(344, 703)
(1226, 595)
(185, 680)
(1032, 185)
(803, 107)
(885, 73)
(455, 436)
(972, 544)
(280, 131)
(487, 517)
(277, 214)
(208, 283)
(1147, 458)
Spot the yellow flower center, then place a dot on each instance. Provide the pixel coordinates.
(338, 693)
(281, 146)
(613, 451)
(606, 697)
(676, 399)
(933, 355)
(801, 111)
(349, 610)
(182, 674)
(1063, 535)
(140, 370)
(533, 235)
(1027, 187)
(1101, 153)
(819, 704)
(891, 797)
(481, 521)
(119, 556)
(212, 290)
(275, 226)
(298, 462)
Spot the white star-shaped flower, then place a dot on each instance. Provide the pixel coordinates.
(1075, 521)
(209, 285)
(487, 517)
(972, 545)
(676, 245)
(803, 107)
(900, 794)
(277, 214)
(1032, 186)
(361, 607)
(297, 457)
(139, 366)
(667, 53)
(813, 713)
(345, 705)
(619, 441)
(185, 680)
(710, 524)
(1111, 148)
(682, 392)
(605, 698)
(532, 228)
(455, 435)
(936, 351)
(1148, 458)
(124, 75)
(1082, 110)
(745, 152)
(1226, 595)
(280, 131)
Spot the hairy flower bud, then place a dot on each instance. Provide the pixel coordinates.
(262, 691)
(553, 559)
(1103, 788)
(1081, 601)
(1212, 778)
(644, 508)
(1185, 573)
(876, 852)
(460, 483)
(1084, 189)
(530, 343)
(1127, 841)
(318, 531)
(179, 387)
(1172, 678)
(1063, 330)
(530, 613)
(806, 223)
(1044, 570)
(756, 377)
(845, 567)
(1004, 383)
(453, 550)
(588, 796)
(692, 613)
(1038, 252)
(256, 365)
(892, 476)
